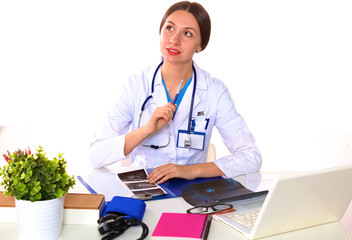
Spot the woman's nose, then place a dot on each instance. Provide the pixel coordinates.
(175, 38)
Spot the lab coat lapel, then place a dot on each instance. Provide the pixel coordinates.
(159, 94)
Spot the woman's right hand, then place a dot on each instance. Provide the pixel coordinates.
(157, 121)
(160, 117)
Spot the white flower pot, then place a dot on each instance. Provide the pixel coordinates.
(40, 219)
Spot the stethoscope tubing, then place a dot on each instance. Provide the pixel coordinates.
(192, 101)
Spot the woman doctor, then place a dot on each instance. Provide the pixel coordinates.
(147, 124)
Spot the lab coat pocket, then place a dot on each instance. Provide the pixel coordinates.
(200, 126)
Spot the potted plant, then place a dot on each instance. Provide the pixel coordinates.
(38, 185)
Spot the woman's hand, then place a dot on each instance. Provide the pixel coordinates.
(189, 172)
(167, 171)
(161, 116)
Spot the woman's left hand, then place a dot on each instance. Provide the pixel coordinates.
(170, 170)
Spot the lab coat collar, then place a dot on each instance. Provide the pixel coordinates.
(161, 98)
(201, 83)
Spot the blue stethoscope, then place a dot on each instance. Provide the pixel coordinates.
(188, 141)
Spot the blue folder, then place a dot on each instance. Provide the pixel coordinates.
(173, 186)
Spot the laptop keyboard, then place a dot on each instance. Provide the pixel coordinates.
(246, 219)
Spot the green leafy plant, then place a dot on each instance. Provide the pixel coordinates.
(35, 177)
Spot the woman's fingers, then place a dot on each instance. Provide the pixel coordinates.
(161, 116)
(167, 111)
(168, 171)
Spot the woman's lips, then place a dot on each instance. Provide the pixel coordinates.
(172, 51)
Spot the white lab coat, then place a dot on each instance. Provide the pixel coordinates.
(212, 97)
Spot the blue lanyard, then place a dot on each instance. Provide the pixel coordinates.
(192, 100)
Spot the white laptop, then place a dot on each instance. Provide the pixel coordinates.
(295, 202)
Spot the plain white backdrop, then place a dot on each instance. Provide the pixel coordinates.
(288, 65)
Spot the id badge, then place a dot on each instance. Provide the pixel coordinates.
(194, 140)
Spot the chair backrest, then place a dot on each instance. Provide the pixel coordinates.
(211, 153)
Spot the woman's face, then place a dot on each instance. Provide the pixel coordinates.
(180, 37)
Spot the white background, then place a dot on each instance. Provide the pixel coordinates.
(288, 65)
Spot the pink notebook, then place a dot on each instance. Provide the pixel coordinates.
(182, 226)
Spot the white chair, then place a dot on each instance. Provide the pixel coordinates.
(211, 153)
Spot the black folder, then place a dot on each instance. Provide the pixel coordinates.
(211, 192)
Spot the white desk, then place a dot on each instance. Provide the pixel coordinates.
(155, 208)
(153, 212)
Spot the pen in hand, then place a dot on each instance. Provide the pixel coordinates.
(177, 92)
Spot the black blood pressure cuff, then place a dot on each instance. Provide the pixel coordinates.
(129, 207)
(119, 214)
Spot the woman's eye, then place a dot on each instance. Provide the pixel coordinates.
(188, 34)
(170, 28)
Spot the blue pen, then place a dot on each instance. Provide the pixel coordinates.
(177, 92)
(207, 120)
(193, 124)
